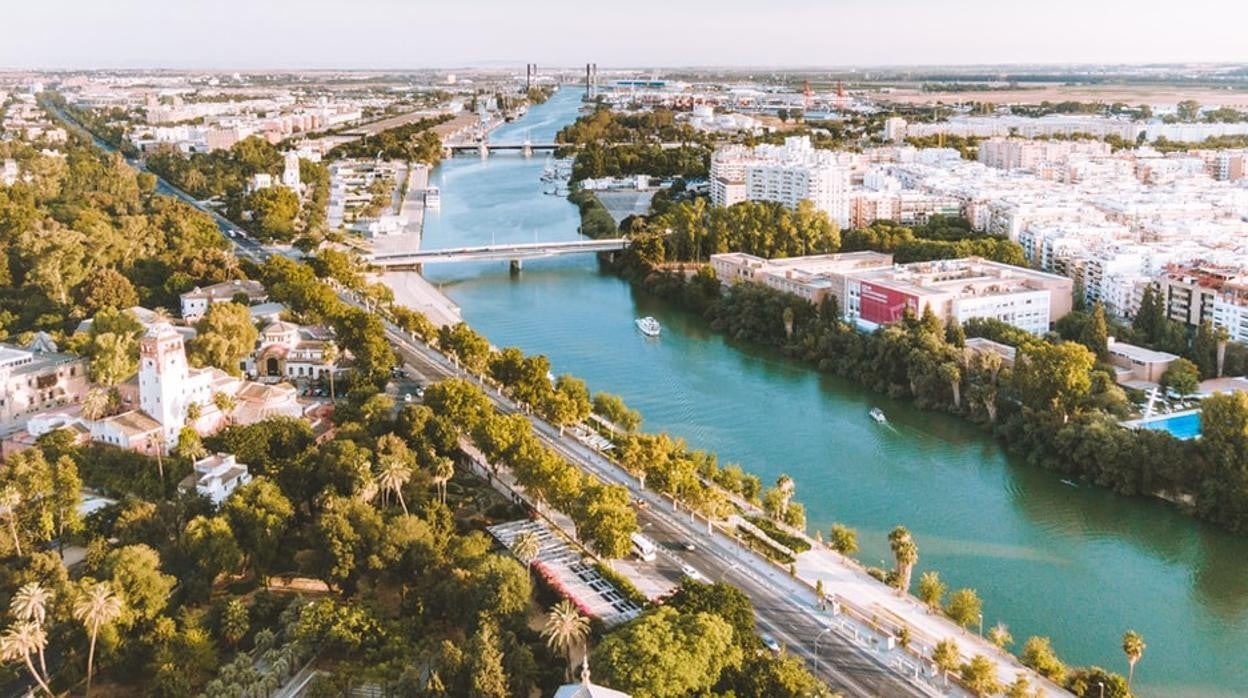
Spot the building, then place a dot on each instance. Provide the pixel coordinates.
(958, 290)
(813, 278)
(983, 345)
(290, 352)
(290, 173)
(216, 477)
(783, 174)
(196, 301)
(1021, 153)
(1230, 310)
(38, 377)
(586, 688)
(1190, 291)
(1138, 363)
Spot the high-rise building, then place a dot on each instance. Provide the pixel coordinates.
(290, 174)
(784, 174)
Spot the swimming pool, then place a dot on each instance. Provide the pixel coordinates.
(1185, 425)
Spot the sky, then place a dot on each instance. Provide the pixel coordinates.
(362, 34)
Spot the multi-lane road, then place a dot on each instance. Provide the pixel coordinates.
(784, 608)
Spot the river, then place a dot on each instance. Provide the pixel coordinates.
(1080, 565)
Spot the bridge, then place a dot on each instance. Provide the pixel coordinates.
(484, 148)
(514, 253)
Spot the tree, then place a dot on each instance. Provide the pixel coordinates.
(226, 403)
(1133, 646)
(95, 404)
(329, 356)
(964, 607)
(95, 606)
(30, 603)
(526, 547)
(114, 358)
(273, 211)
(226, 335)
(1188, 110)
(1095, 334)
(952, 375)
(1181, 376)
(843, 539)
(612, 408)
(721, 599)
(565, 630)
(606, 520)
(667, 654)
(1000, 636)
(190, 446)
(235, 622)
(946, 657)
(135, 573)
(1020, 688)
(931, 589)
(259, 514)
(443, 471)
(906, 554)
(488, 678)
(786, 487)
(980, 675)
(1054, 376)
(1038, 654)
(210, 542)
(1150, 319)
(10, 499)
(22, 639)
(106, 287)
(394, 473)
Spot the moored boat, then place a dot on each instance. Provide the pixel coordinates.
(648, 326)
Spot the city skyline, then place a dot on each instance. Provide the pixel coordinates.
(67, 34)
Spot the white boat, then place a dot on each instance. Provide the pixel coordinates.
(433, 198)
(648, 326)
(878, 415)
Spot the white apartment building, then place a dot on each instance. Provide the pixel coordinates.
(782, 174)
(196, 301)
(216, 477)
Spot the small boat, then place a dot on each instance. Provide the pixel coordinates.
(878, 415)
(1070, 483)
(648, 326)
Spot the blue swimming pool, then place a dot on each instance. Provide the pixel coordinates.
(1181, 426)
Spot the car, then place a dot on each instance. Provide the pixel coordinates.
(770, 643)
(692, 573)
(687, 545)
(407, 397)
(420, 392)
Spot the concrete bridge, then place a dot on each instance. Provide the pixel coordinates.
(485, 148)
(514, 253)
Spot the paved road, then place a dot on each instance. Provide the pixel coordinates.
(783, 607)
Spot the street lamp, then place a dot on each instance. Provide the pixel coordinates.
(1101, 685)
(981, 625)
(818, 660)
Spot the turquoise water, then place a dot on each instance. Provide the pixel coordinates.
(1181, 426)
(1078, 565)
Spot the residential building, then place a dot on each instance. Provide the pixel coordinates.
(1190, 291)
(37, 377)
(290, 352)
(784, 174)
(196, 301)
(216, 477)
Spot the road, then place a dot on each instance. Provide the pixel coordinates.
(783, 607)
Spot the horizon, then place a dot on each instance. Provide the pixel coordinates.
(320, 35)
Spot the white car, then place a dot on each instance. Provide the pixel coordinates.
(692, 573)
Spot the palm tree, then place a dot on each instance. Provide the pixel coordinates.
(31, 603)
(1133, 646)
(443, 471)
(785, 484)
(906, 553)
(526, 546)
(226, 403)
(394, 474)
(10, 498)
(329, 355)
(565, 629)
(23, 638)
(96, 607)
(95, 404)
(193, 412)
(1000, 636)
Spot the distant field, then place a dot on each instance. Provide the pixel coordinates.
(1130, 94)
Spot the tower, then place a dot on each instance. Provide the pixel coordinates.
(163, 379)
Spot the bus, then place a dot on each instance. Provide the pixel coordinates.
(643, 547)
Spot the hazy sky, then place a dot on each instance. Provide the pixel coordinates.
(243, 34)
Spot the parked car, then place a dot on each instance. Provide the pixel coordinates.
(770, 643)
